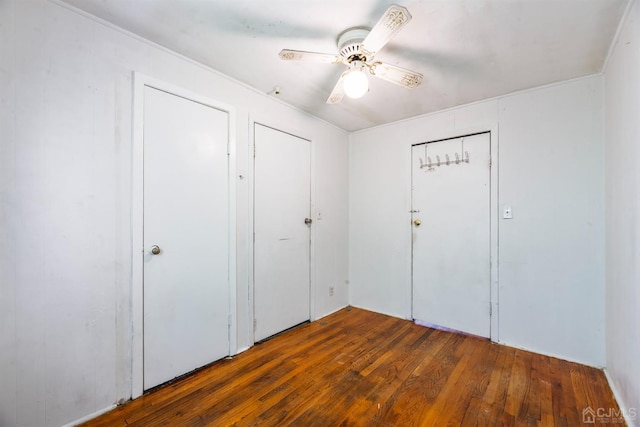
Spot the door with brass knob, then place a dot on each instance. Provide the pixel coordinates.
(451, 250)
(185, 146)
(282, 227)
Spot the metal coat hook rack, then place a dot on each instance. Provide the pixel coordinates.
(447, 160)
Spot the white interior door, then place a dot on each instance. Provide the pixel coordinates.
(186, 289)
(451, 244)
(282, 201)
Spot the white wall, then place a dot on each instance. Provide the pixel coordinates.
(65, 188)
(551, 262)
(331, 225)
(551, 257)
(622, 136)
(380, 201)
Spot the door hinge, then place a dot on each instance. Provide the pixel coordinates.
(490, 309)
(490, 161)
(229, 319)
(255, 325)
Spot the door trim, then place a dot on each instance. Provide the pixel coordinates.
(494, 332)
(250, 224)
(140, 81)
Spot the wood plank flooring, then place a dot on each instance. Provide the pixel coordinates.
(357, 367)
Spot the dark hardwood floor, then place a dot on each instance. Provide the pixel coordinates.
(356, 367)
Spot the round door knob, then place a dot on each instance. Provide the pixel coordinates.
(308, 221)
(417, 222)
(155, 249)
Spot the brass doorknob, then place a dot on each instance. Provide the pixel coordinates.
(155, 249)
(417, 222)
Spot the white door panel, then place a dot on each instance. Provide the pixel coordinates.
(186, 290)
(281, 248)
(451, 246)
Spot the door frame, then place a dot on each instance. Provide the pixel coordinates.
(250, 223)
(494, 314)
(140, 81)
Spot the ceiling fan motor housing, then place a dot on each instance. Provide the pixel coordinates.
(349, 43)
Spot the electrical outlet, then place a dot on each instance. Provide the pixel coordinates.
(330, 291)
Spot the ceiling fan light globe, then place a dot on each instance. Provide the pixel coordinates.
(356, 84)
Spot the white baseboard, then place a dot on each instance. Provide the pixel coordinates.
(397, 316)
(90, 416)
(329, 313)
(554, 355)
(626, 411)
(241, 350)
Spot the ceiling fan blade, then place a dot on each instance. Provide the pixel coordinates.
(338, 91)
(397, 75)
(393, 20)
(300, 55)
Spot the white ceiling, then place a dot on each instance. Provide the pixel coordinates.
(467, 50)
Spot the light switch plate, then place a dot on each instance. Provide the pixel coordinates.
(507, 213)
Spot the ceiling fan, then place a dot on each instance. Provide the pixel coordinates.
(357, 47)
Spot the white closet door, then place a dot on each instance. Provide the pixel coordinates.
(282, 202)
(451, 244)
(186, 215)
